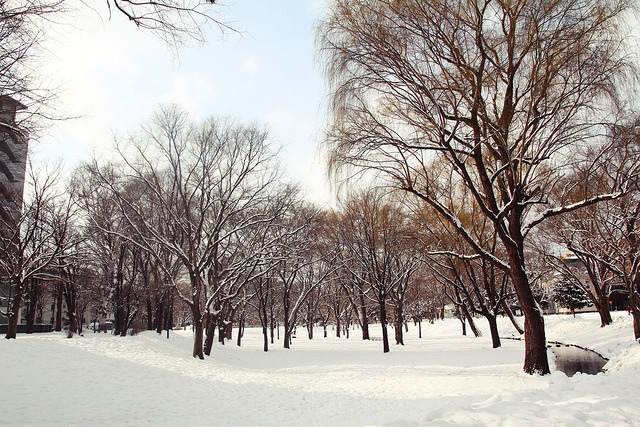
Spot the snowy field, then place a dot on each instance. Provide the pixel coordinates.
(443, 379)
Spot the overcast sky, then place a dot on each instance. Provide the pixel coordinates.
(115, 75)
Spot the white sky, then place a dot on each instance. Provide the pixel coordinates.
(115, 75)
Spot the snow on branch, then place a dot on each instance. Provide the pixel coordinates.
(567, 208)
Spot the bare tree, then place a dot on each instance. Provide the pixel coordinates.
(499, 92)
(473, 283)
(250, 254)
(30, 240)
(306, 261)
(188, 189)
(347, 274)
(377, 234)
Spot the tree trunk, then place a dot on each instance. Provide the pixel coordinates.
(513, 319)
(399, 323)
(211, 325)
(536, 360)
(272, 320)
(198, 339)
(420, 328)
(383, 322)
(604, 311)
(168, 323)
(149, 314)
(73, 324)
(32, 306)
(80, 319)
(464, 324)
(287, 335)
(227, 323)
(472, 323)
(14, 313)
(265, 326)
(635, 311)
(493, 327)
(287, 327)
(159, 315)
(71, 311)
(58, 327)
(240, 330)
(365, 319)
(272, 331)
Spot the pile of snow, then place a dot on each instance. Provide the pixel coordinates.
(443, 379)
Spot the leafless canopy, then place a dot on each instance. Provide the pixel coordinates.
(172, 20)
(500, 92)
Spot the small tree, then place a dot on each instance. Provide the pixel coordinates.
(567, 293)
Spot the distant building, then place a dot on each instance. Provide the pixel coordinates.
(13, 159)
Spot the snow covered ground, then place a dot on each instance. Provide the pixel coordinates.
(443, 379)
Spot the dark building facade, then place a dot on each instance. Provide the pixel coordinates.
(13, 158)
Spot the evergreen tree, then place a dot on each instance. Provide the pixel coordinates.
(569, 294)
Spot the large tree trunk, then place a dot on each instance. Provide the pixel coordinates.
(265, 338)
(240, 329)
(604, 310)
(210, 325)
(32, 306)
(58, 326)
(463, 321)
(310, 330)
(272, 324)
(288, 329)
(365, 318)
(383, 322)
(635, 311)
(198, 339)
(493, 327)
(536, 360)
(70, 299)
(399, 322)
(73, 324)
(287, 334)
(14, 313)
(80, 318)
(264, 320)
(149, 314)
(159, 316)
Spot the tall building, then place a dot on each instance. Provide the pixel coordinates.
(13, 159)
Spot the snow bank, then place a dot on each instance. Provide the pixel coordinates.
(443, 379)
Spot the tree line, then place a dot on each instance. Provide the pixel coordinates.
(491, 133)
(196, 225)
